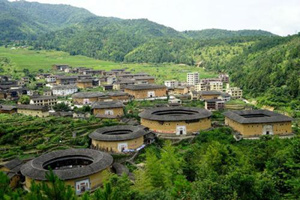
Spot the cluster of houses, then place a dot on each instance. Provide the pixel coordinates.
(83, 169)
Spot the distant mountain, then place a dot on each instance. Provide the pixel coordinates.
(52, 16)
(208, 34)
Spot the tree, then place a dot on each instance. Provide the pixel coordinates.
(55, 190)
(61, 107)
(24, 99)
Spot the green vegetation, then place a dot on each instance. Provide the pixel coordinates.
(15, 61)
(269, 71)
(212, 166)
(23, 135)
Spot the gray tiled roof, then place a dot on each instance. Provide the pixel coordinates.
(100, 161)
(32, 107)
(175, 114)
(87, 94)
(107, 104)
(118, 133)
(256, 116)
(145, 87)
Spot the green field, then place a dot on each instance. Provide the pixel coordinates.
(20, 59)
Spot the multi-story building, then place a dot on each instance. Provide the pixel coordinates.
(235, 92)
(172, 83)
(144, 91)
(216, 85)
(49, 101)
(64, 90)
(193, 78)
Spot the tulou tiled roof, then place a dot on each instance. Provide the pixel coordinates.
(32, 107)
(256, 116)
(88, 94)
(175, 114)
(144, 87)
(118, 133)
(100, 161)
(107, 104)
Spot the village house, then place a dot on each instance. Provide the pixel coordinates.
(94, 72)
(172, 83)
(8, 109)
(145, 91)
(202, 87)
(116, 96)
(224, 78)
(122, 83)
(81, 169)
(51, 79)
(108, 109)
(12, 170)
(33, 110)
(214, 104)
(111, 80)
(254, 123)
(84, 83)
(64, 90)
(118, 139)
(107, 87)
(47, 92)
(235, 92)
(144, 79)
(49, 101)
(60, 67)
(83, 98)
(66, 80)
(205, 95)
(216, 86)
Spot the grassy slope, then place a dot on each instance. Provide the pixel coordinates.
(33, 60)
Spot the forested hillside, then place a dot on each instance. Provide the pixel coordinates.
(261, 63)
(270, 69)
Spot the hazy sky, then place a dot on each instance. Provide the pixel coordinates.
(278, 16)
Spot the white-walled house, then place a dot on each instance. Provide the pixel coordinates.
(64, 90)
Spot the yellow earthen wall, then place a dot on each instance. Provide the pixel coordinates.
(113, 146)
(33, 113)
(95, 180)
(170, 127)
(117, 111)
(143, 94)
(250, 130)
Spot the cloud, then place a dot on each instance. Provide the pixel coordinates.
(277, 16)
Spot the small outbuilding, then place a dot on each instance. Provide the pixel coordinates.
(118, 139)
(254, 123)
(82, 169)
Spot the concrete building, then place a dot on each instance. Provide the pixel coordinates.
(108, 109)
(193, 78)
(214, 104)
(216, 86)
(254, 123)
(49, 101)
(118, 139)
(82, 169)
(171, 83)
(235, 92)
(145, 91)
(176, 121)
(64, 90)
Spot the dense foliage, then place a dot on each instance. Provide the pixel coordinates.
(212, 166)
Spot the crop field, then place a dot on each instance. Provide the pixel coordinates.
(32, 60)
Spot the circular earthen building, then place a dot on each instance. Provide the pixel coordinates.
(82, 169)
(176, 121)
